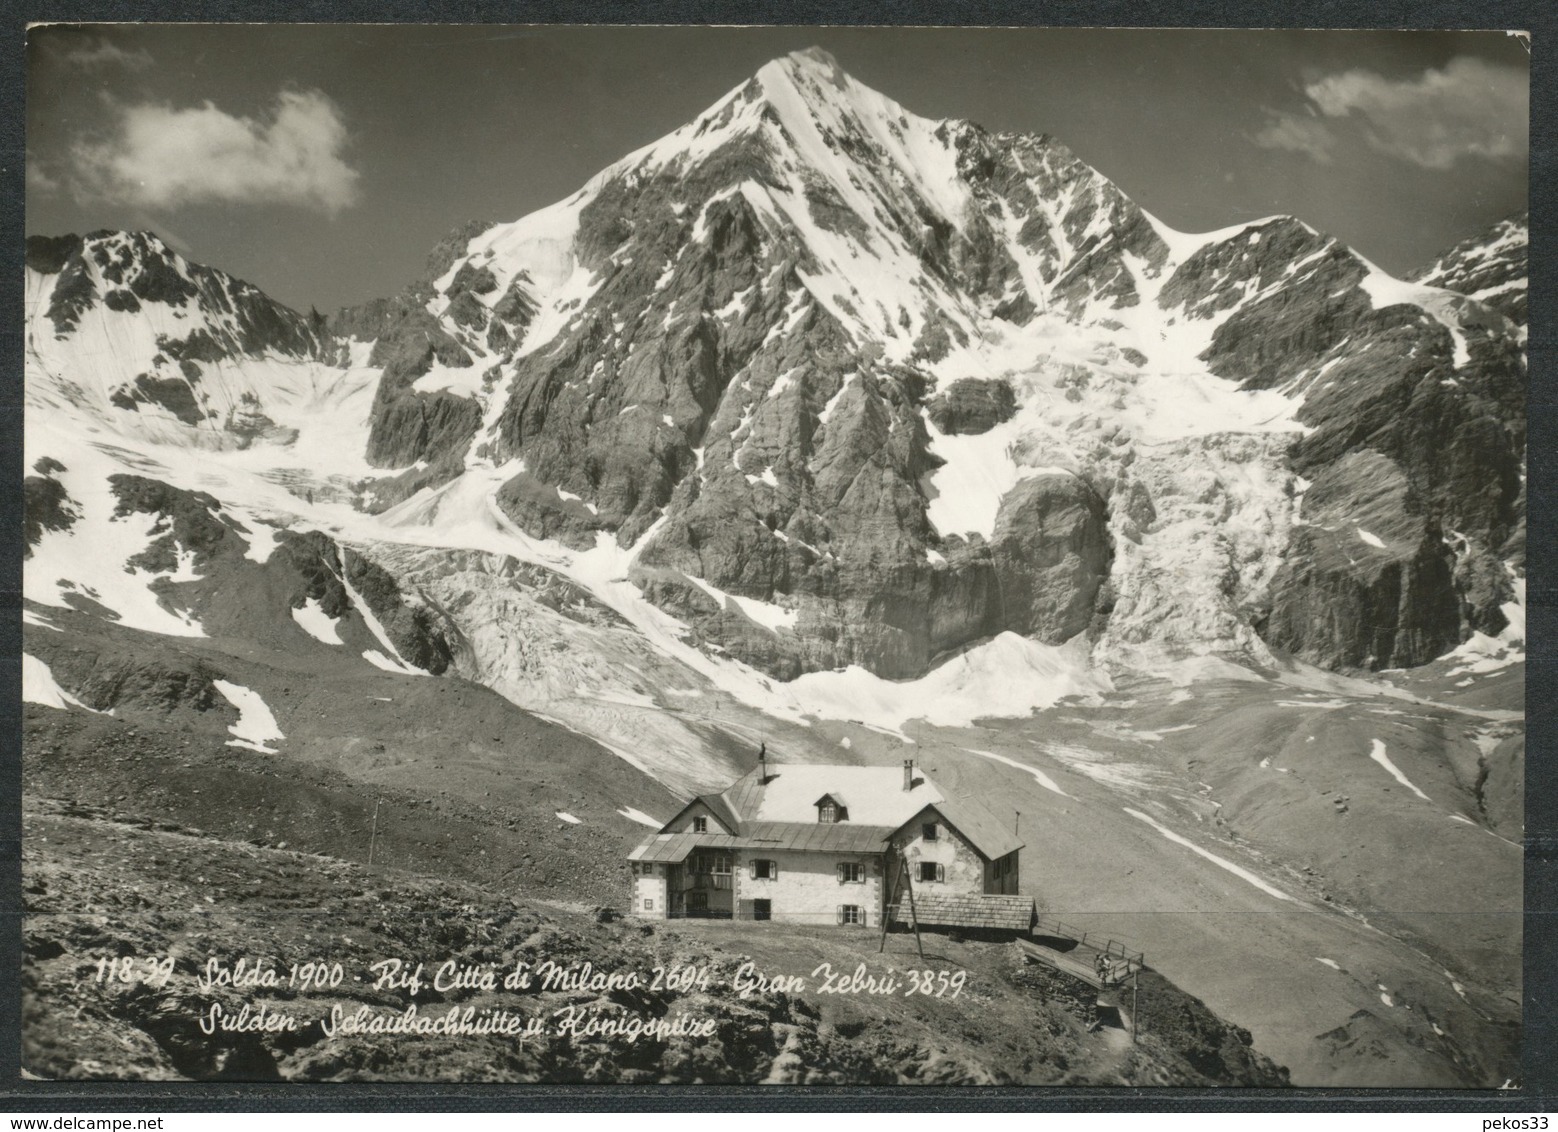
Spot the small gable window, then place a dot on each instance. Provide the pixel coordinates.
(930, 871)
(928, 831)
(700, 825)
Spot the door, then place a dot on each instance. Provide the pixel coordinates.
(762, 909)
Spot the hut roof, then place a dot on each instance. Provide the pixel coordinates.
(971, 910)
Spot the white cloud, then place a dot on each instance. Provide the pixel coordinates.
(1469, 108)
(160, 157)
(101, 53)
(38, 180)
(1299, 134)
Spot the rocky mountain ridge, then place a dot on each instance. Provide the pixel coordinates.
(845, 386)
(1489, 267)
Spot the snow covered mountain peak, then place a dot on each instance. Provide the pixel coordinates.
(830, 383)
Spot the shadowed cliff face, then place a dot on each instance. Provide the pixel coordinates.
(848, 386)
(1367, 580)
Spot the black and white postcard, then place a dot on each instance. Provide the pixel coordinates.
(811, 556)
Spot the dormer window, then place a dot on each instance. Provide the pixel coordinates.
(830, 810)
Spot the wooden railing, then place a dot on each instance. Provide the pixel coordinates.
(1108, 945)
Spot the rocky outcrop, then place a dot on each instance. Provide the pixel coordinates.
(971, 405)
(46, 505)
(1367, 580)
(315, 568)
(429, 431)
(1292, 318)
(1457, 431)
(109, 676)
(314, 560)
(418, 633)
(1051, 554)
(188, 522)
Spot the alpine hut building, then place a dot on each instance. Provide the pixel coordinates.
(829, 844)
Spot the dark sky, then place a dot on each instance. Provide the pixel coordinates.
(323, 162)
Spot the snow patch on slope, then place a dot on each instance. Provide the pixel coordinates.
(256, 726)
(1377, 753)
(1039, 776)
(1008, 675)
(640, 817)
(40, 687)
(316, 623)
(1242, 873)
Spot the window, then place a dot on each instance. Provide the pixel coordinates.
(928, 831)
(700, 825)
(649, 905)
(852, 872)
(851, 914)
(827, 813)
(929, 870)
(765, 870)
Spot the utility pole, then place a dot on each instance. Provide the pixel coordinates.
(914, 917)
(901, 879)
(891, 903)
(1135, 989)
(373, 837)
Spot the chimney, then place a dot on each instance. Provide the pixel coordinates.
(908, 774)
(762, 764)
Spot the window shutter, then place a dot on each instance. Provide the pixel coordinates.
(752, 869)
(840, 914)
(941, 872)
(773, 870)
(839, 870)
